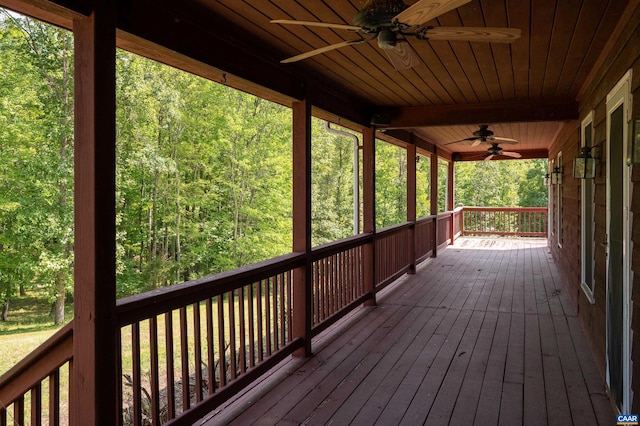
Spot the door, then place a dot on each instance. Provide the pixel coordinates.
(618, 238)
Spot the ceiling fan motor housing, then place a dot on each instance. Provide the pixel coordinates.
(378, 14)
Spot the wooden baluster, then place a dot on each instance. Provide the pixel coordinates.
(233, 367)
(290, 304)
(283, 322)
(211, 370)
(136, 373)
(36, 405)
(260, 317)
(18, 411)
(222, 347)
(197, 350)
(168, 336)
(274, 295)
(243, 333)
(252, 329)
(267, 313)
(184, 358)
(154, 372)
(54, 398)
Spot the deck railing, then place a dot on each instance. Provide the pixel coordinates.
(186, 349)
(37, 388)
(509, 221)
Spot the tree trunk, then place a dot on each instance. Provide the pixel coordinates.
(58, 314)
(5, 310)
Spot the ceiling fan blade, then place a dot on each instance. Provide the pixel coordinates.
(426, 10)
(489, 157)
(476, 141)
(403, 56)
(511, 154)
(317, 24)
(322, 50)
(493, 35)
(504, 140)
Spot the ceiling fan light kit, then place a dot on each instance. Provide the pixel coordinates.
(392, 21)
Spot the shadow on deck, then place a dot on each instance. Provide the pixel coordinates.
(483, 334)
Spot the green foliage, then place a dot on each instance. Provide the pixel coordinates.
(423, 187)
(203, 176)
(36, 146)
(332, 188)
(515, 183)
(391, 184)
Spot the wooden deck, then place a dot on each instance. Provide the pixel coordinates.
(484, 334)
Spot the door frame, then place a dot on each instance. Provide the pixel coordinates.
(621, 95)
(586, 217)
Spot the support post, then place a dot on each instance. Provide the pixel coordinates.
(451, 197)
(433, 198)
(93, 394)
(369, 210)
(411, 205)
(302, 294)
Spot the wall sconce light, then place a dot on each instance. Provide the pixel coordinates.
(584, 165)
(556, 176)
(546, 179)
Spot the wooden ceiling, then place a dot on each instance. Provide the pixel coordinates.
(525, 90)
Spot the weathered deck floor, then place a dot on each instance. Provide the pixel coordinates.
(484, 335)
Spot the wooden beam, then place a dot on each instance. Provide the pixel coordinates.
(526, 154)
(93, 394)
(302, 297)
(514, 112)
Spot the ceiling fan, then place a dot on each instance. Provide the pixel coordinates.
(484, 135)
(392, 21)
(495, 150)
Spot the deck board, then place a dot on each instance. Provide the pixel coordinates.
(483, 334)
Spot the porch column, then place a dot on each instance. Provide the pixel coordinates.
(451, 197)
(93, 390)
(369, 210)
(433, 198)
(302, 297)
(411, 205)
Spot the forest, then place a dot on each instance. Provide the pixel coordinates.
(203, 174)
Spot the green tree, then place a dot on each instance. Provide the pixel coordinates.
(391, 184)
(38, 156)
(531, 189)
(331, 185)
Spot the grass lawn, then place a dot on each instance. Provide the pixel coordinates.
(28, 325)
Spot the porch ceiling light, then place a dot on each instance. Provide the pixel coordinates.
(584, 165)
(556, 176)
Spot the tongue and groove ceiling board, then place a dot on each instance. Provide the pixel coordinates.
(560, 42)
(547, 66)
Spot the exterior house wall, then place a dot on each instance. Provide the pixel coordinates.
(624, 55)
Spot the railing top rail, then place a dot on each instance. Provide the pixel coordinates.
(33, 368)
(393, 229)
(334, 247)
(424, 219)
(145, 305)
(445, 214)
(507, 209)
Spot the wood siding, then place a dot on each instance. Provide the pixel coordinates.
(626, 51)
